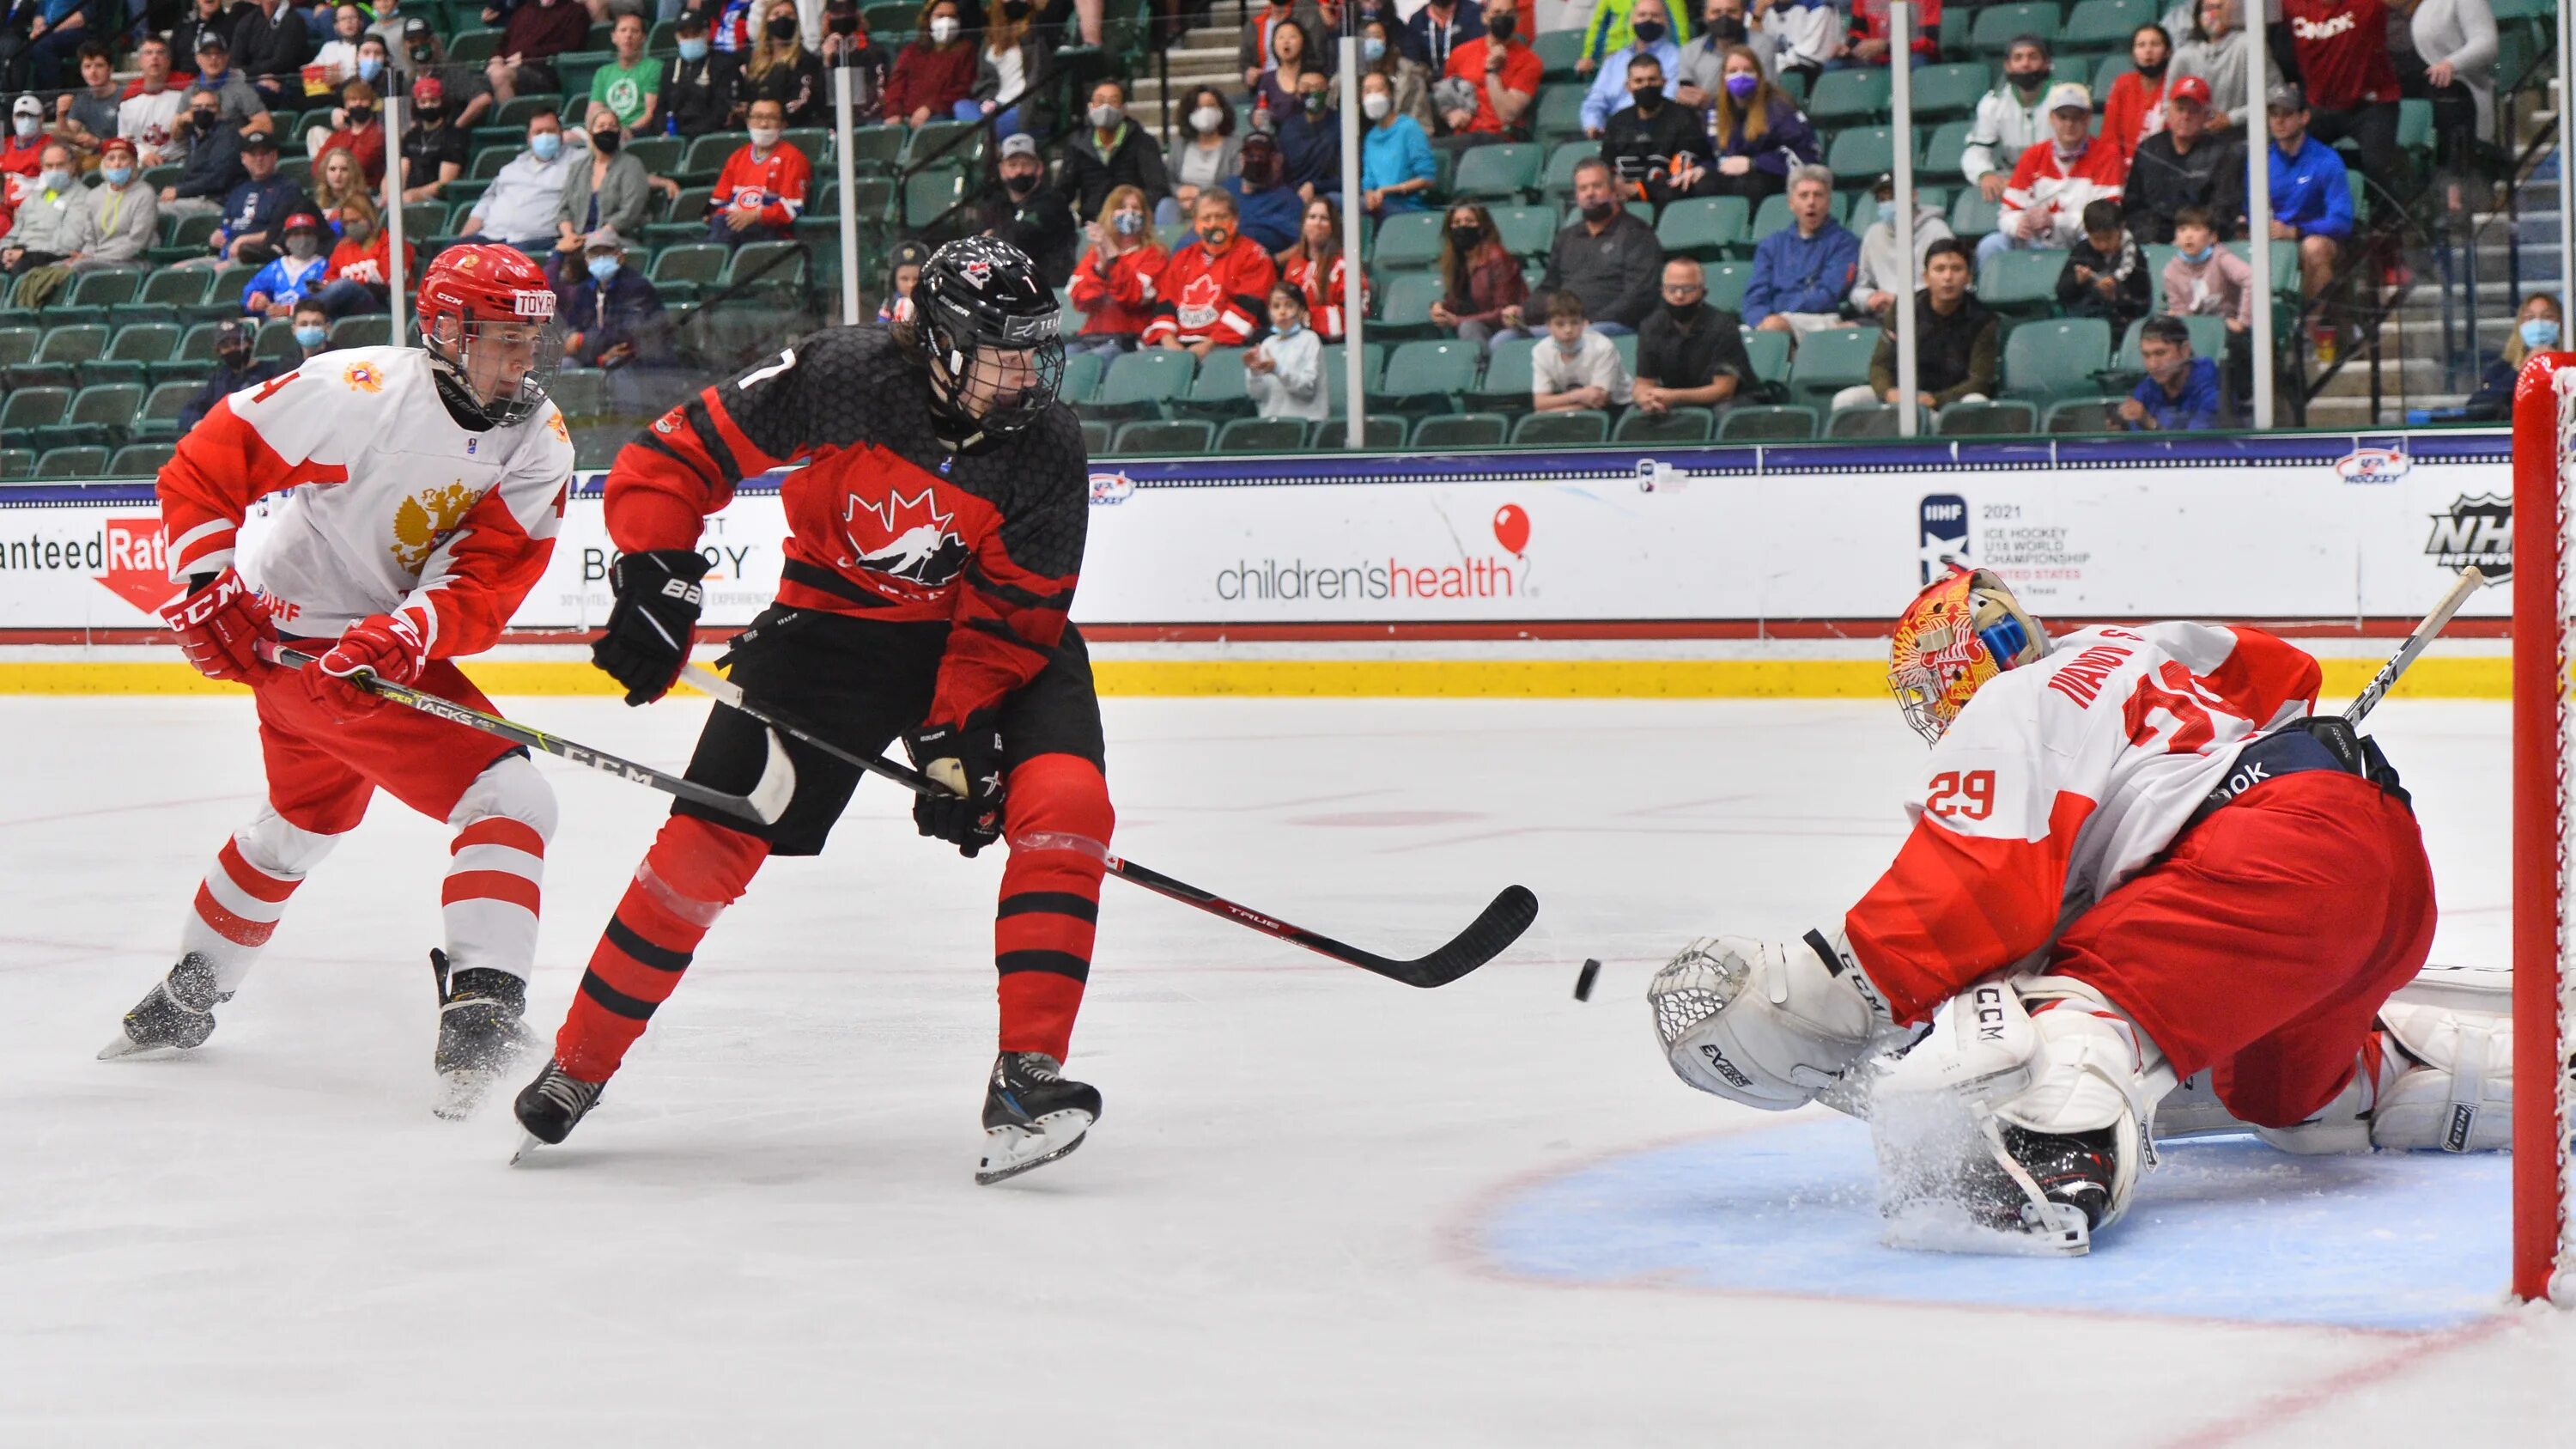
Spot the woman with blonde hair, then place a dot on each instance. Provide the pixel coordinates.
(337, 181)
(360, 274)
(1008, 69)
(781, 69)
(1113, 284)
(1760, 133)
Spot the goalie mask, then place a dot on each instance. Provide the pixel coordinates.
(487, 319)
(990, 327)
(1962, 631)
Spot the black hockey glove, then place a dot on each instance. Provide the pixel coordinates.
(966, 758)
(650, 629)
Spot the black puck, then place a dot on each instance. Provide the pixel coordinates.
(1583, 979)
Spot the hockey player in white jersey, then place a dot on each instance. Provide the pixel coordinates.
(413, 496)
(2138, 860)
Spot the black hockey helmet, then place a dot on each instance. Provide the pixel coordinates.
(990, 324)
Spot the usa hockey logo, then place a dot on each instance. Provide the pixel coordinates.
(1111, 488)
(905, 537)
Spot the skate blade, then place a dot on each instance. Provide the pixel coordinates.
(1010, 1151)
(460, 1094)
(1931, 1227)
(529, 1142)
(126, 1048)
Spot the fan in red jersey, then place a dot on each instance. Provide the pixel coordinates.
(2144, 878)
(412, 499)
(934, 537)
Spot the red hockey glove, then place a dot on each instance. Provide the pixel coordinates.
(387, 646)
(219, 628)
(967, 759)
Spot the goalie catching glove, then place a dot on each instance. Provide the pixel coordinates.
(654, 621)
(967, 760)
(1771, 1024)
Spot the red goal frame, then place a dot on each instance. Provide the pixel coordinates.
(2543, 467)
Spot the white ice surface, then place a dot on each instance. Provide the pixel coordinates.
(768, 1233)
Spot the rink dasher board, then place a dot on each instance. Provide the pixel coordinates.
(2300, 527)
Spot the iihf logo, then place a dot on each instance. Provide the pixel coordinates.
(1943, 531)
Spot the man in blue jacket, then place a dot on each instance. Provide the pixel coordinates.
(2181, 393)
(253, 229)
(1801, 273)
(2311, 198)
(1651, 36)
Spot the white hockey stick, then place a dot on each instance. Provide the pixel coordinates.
(2416, 643)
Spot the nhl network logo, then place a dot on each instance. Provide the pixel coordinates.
(2478, 530)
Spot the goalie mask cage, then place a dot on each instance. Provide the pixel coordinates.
(2544, 754)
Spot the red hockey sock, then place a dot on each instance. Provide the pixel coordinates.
(694, 870)
(1050, 901)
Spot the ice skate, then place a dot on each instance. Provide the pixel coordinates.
(479, 1034)
(1032, 1115)
(178, 1013)
(551, 1106)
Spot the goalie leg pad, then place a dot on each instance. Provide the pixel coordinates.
(1767, 1023)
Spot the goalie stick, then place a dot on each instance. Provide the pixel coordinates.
(766, 802)
(2416, 643)
(1500, 924)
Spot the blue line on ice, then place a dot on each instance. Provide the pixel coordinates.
(2226, 1228)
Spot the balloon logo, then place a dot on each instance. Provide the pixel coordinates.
(1511, 528)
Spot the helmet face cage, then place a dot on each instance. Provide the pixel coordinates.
(979, 301)
(1960, 632)
(460, 354)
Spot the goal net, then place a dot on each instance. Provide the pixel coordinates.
(2544, 820)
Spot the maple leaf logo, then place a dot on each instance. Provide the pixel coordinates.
(1200, 297)
(903, 537)
(425, 520)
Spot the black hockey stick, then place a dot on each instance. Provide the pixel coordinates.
(2471, 580)
(766, 802)
(1500, 924)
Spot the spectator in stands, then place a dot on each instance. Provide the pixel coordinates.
(310, 326)
(1722, 28)
(1397, 168)
(117, 226)
(1028, 213)
(781, 69)
(1284, 375)
(1440, 27)
(1802, 272)
(2311, 197)
(24, 153)
(53, 38)
(337, 57)
(1576, 367)
(1606, 256)
(2044, 206)
(1408, 83)
(435, 149)
(1870, 39)
(241, 103)
(275, 288)
(270, 46)
(2010, 119)
(2205, 279)
(1479, 279)
(2537, 326)
(1956, 341)
(606, 190)
(1212, 288)
(614, 321)
(629, 87)
(149, 114)
(60, 226)
(1205, 155)
(2183, 167)
(1615, 87)
(1610, 33)
(2219, 52)
(212, 166)
(2181, 393)
(1883, 276)
(468, 93)
(1271, 212)
(1113, 284)
(2350, 86)
(1310, 140)
(387, 24)
(903, 274)
(1689, 354)
(336, 181)
(1014, 58)
(521, 204)
(534, 34)
(2106, 273)
(255, 210)
(1504, 74)
(1258, 54)
(1314, 266)
(1110, 151)
(1275, 97)
(846, 43)
(2455, 54)
(1759, 133)
(205, 17)
(1656, 148)
(361, 267)
(2135, 108)
(235, 368)
(355, 128)
(761, 191)
(375, 58)
(86, 117)
(1809, 34)
(699, 86)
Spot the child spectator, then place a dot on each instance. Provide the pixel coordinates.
(2204, 279)
(1576, 367)
(1285, 374)
(2106, 274)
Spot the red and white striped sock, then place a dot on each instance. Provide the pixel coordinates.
(240, 901)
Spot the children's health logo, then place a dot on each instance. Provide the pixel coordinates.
(1475, 577)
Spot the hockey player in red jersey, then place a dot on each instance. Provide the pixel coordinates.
(2139, 861)
(935, 531)
(412, 499)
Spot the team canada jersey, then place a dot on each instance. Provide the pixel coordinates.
(884, 521)
(383, 502)
(2063, 778)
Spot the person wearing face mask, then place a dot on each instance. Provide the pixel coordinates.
(1284, 373)
(2537, 327)
(1213, 289)
(933, 73)
(1689, 354)
(610, 188)
(698, 85)
(2135, 107)
(1271, 212)
(2220, 52)
(1014, 55)
(1408, 84)
(521, 205)
(2010, 119)
(761, 191)
(1115, 282)
(387, 25)
(310, 326)
(434, 149)
(1703, 69)
(1439, 27)
(535, 32)
(358, 279)
(1396, 165)
(614, 320)
(210, 165)
(337, 57)
(1884, 276)
(2057, 179)
(781, 69)
(1111, 151)
(468, 94)
(1479, 278)
(357, 128)
(24, 151)
(1607, 256)
(1504, 74)
(108, 225)
(1028, 213)
(1310, 141)
(241, 103)
(1613, 89)
(629, 87)
(1869, 38)
(2185, 165)
(1610, 36)
(1205, 154)
(235, 368)
(1656, 148)
(275, 288)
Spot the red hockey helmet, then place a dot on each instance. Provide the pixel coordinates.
(487, 318)
(1962, 630)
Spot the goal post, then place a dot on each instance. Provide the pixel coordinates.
(2544, 748)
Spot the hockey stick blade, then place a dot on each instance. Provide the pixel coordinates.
(767, 801)
(1494, 930)
(2471, 580)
